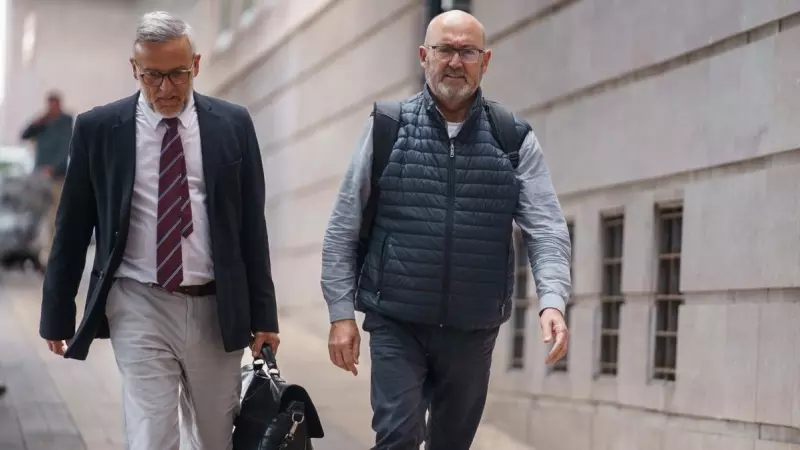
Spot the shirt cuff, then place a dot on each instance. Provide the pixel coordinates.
(341, 311)
(552, 301)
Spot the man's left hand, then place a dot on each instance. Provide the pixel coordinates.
(264, 337)
(552, 323)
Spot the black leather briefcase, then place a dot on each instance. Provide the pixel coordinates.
(274, 414)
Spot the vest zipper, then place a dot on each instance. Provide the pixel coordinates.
(448, 237)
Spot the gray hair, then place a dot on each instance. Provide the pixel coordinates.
(161, 26)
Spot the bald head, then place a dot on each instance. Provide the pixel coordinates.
(458, 23)
(454, 58)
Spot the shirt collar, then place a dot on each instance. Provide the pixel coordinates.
(154, 118)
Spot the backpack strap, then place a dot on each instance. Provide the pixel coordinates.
(385, 126)
(504, 128)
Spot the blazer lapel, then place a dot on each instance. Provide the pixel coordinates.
(211, 128)
(124, 160)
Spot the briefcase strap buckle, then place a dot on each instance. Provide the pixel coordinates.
(297, 419)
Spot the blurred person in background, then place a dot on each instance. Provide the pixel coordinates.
(437, 279)
(51, 133)
(173, 184)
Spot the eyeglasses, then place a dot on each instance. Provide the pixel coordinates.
(446, 53)
(154, 79)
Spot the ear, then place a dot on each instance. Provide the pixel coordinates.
(196, 64)
(487, 55)
(423, 55)
(133, 68)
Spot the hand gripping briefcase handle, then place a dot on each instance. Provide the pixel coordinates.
(268, 359)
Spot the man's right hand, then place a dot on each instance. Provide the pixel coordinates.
(344, 345)
(58, 347)
(44, 118)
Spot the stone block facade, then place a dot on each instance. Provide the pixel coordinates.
(639, 105)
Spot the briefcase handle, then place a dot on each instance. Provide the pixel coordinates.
(269, 359)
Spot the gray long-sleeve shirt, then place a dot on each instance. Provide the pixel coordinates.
(538, 216)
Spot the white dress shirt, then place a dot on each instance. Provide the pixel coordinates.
(139, 260)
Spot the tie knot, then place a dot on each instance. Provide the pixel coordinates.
(171, 122)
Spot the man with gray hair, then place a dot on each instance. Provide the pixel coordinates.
(172, 183)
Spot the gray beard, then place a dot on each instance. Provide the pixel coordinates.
(448, 93)
(183, 108)
(170, 116)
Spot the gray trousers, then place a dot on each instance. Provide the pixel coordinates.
(180, 388)
(419, 368)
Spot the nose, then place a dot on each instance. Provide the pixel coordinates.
(166, 85)
(456, 62)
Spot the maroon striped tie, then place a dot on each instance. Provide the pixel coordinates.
(174, 209)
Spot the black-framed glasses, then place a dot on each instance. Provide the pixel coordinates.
(154, 78)
(447, 52)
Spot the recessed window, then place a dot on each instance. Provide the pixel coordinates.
(463, 5)
(521, 301)
(611, 295)
(248, 13)
(668, 295)
(225, 14)
(225, 27)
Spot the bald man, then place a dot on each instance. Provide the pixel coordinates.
(438, 264)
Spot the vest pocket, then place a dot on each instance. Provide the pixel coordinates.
(382, 267)
(507, 278)
(502, 301)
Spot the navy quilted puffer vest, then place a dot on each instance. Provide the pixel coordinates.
(440, 251)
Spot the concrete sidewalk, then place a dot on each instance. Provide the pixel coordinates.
(343, 397)
(61, 404)
(58, 404)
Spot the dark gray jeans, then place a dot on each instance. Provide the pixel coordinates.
(421, 367)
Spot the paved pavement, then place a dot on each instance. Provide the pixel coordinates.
(59, 404)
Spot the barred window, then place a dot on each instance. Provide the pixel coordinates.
(611, 295)
(521, 302)
(668, 296)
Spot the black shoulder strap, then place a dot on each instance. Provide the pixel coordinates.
(505, 130)
(385, 125)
